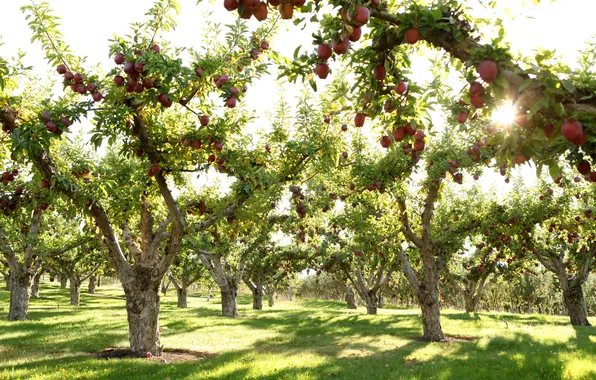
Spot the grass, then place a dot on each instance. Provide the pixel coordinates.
(294, 340)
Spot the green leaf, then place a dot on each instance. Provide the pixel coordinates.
(553, 169)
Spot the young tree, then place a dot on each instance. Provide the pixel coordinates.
(186, 270)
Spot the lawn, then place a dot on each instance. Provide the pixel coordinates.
(294, 340)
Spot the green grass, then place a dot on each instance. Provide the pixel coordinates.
(294, 340)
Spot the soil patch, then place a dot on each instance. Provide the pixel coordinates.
(167, 356)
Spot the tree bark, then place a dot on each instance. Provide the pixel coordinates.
(142, 308)
(35, 286)
(228, 301)
(257, 298)
(165, 285)
(350, 297)
(20, 287)
(469, 303)
(98, 281)
(271, 299)
(91, 287)
(63, 280)
(182, 293)
(431, 314)
(381, 301)
(75, 290)
(575, 302)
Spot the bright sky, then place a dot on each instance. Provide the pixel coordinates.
(87, 25)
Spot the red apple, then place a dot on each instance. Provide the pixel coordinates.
(286, 10)
(61, 69)
(119, 58)
(401, 88)
(584, 167)
(477, 101)
(379, 72)
(412, 36)
(231, 102)
(398, 133)
(260, 12)
(409, 130)
(419, 135)
(462, 117)
(362, 15)
(385, 141)
(324, 52)
(572, 130)
(419, 145)
(340, 47)
(548, 130)
(356, 34)
(359, 120)
(118, 80)
(322, 70)
(488, 70)
(476, 89)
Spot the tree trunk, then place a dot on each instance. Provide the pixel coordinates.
(165, 285)
(350, 297)
(63, 280)
(371, 303)
(431, 314)
(20, 286)
(142, 308)
(182, 292)
(35, 286)
(75, 291)
(381, 302)
(98, 281)
(228, 301)
(257, 297)
(271, 299)
(91, 287)
(576, 305)
(290, 294)
(469, 303)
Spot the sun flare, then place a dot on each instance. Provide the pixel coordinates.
(504, 115)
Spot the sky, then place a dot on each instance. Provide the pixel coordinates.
(87, 26)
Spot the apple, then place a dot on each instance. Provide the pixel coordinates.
(488, 70)
(419, 135)
(356, 34)
(374, 3)
(398, 133)
(97, 96)
(204, 120)
(298, 3)
(476, 89)
(147, 83)
(340, 47)
(230, 5)
(462, 117)
(197, 144)
(218, 145)
(344, 128)
(401, 88)
(119, 58)
(409, 130)
(362, 15)
(359, 120)
(119, 80)
(286, 10)
(199, 71)
(78, 78)
(68, 75)
(419, 145)
(129, 67)
(385, 141)
(61, 69)
(65, 121)
(380, 73)
(231, 102)
(44, 184)
(46, 116)
(264, 45)
(51, 126)
(324, 52)
(584, 167)
(548, 130)
(412, 36)
(344, 154)
(322, 70)
(572, 130)
(477, 101)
